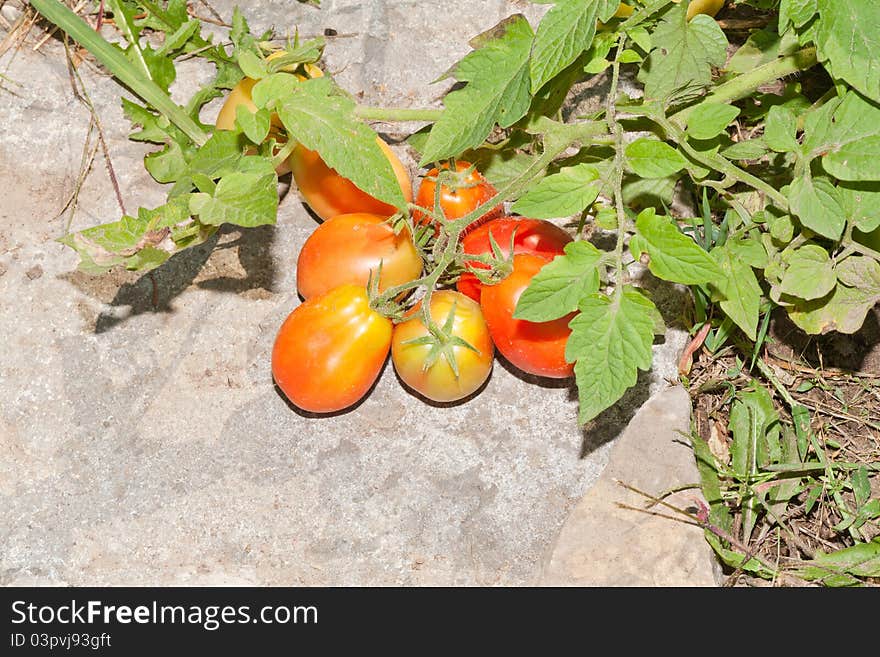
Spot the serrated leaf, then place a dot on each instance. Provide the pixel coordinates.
(850, 141)
(252, 65)
(861, 203)
(161, 68)
(179, 37)
(650, 158)
(648, 192)
(610, 342)
(816, 203)
(797, 12)
(167, 165)
(741, 290)
(323, 120)
(673, 256)
(810, 273)
(844, 310)
(497, 92)
(255, 125)
(780, 131)
(561, 194)
(241, 198)
(221, 154)
(681, 64)
(708, 120)
(848, 40)
(564, 33)
(558, 287)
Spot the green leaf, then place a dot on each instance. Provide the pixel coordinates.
(179, 37)
(741, 290)
(762, 47)
(780, 131)
(848, 40)
(167, 165)
(558, 287)
(252, 65)
(673, 256)
(564, 33)
(561, 194)
(810, 273)
(797, 12)
(709, 120)
(860, 272)
(648, 192)
(850, 141)
(651, 158)
(680, 66)
(240, 198)
(750, 149)
(816, 203)
(840, 568)
(255, 125)
(221, 154)
(497, 92)
(844, 311)
(610, 341)
(323, 120)
(861, 203)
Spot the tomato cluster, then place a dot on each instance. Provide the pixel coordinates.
(361, 270)
(331, 349)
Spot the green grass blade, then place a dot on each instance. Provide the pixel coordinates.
(119, 66)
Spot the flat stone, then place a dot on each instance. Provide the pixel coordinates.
(604, 544)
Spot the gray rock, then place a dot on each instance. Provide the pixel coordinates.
(604, 544)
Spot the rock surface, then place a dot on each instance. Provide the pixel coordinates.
(142, 441)
(604, 544)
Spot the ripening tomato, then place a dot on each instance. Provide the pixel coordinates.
(426, 367)
(348, 248)
(241, 95)
(469, 191)
(534, 347)
(708, 7)
(534, 236)
(330, 350)
(329, 194)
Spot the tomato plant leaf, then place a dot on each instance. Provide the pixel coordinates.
(796, 12)
(816, 203)
(564, 33)
(740, 288)
(651, 158)
(497, 92)
(673, 256)
(780, 131)
(318, 116)
(810, 273)
(860, 272)
(861, 203)
(243, 198)
(750, 149)
(558, 287)
(610, 342)
(844, 310)
(255, 125)
(561, 194)
(708, 120)
(680, 66)
(848, 39)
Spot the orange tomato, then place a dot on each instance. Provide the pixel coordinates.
(348, 248)
(330, 350)
(469, 192)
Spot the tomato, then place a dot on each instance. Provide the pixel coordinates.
(241, 95)
(534, 236)
(708, 7)
(329, 194)
(534, 347)
(436, 379)
(470, 191)
(330, 350)
(348, 247)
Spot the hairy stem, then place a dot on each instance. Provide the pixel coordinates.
(617, 170)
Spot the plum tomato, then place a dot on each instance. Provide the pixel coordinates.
(329, 194)
(330, 350)
(534, 347)
(423, 363)
(469, 191)
(535, 236)
(348, 248)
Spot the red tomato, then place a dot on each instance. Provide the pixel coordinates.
(534, 347)
(348, 247)
(330, 350)
(470, 191)
(329, 194)
(437, 380)
(534, 236)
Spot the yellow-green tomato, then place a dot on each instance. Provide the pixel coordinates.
(425, 365)
(708, 7)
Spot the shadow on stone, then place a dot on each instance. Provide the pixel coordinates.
(610, 422)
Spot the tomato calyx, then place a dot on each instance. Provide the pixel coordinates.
(500, 265)
(442, 341)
